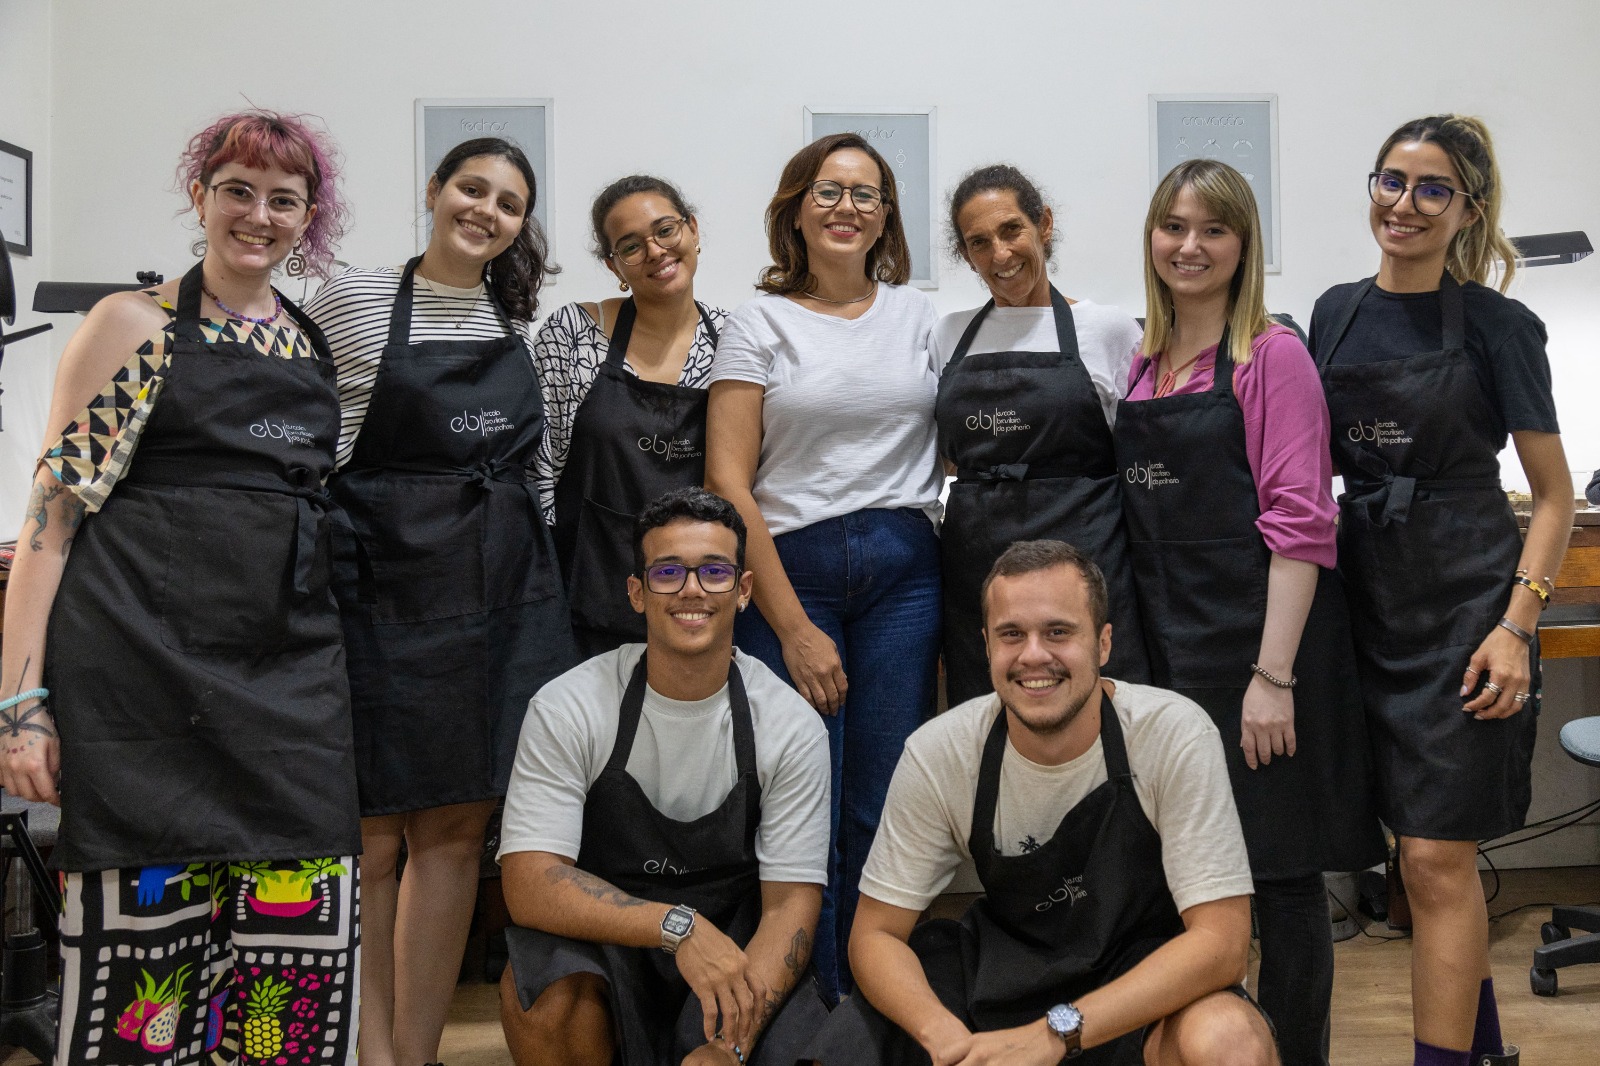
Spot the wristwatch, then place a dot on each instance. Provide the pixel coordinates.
(676, 927)
(1066, 1022)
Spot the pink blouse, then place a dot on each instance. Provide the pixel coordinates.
(1285, 435)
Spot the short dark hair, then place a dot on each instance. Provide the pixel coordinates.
(1031, 556)
(620, 190)
(695, 504)
(997, 177)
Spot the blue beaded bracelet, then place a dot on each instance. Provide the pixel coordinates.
(31, 694)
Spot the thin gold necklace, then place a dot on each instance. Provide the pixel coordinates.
(843, 303)
(456, 323)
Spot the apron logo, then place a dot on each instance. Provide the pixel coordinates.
(997, 422)
(664, 866)
(1383, 434)
(284, 431)
(484, 422)
(1070, 892)
(672, 450)
(1151, 475)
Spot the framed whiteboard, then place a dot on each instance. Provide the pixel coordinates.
(1240, 129)
(16, 198)
(907, 139)
(527, 123)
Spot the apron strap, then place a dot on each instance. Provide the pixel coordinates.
(1453, 320)
(1341, 325)
(744, 741)
(744, 749)
(188, 315)
(984, 801)
(400, 313)
(1222, 363)
(1066, 330)
(968, 334)
(311, 331)
(622, 331)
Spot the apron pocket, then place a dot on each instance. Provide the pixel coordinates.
(602, 559)
(1204, 605)
(230, 574)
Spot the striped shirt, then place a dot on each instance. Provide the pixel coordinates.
(353, 310)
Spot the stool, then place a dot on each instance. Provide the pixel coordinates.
(29, 1004)
(1581, 739)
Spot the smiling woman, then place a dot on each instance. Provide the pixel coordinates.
(451, 601)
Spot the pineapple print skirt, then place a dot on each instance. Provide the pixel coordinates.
(211, 963)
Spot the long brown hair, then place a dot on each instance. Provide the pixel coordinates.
(1224, 191)
(887, 260)
(1478, 244)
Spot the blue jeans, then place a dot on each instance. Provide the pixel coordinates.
(870, 580)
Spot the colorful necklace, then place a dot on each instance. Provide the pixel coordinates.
(277, 308)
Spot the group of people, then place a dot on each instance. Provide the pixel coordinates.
(302, 594)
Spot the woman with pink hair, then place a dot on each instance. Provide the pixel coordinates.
(173, 671)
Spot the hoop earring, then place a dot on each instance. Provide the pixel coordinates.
(295, 265)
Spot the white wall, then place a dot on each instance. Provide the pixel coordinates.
(710, 94)
(29, 366)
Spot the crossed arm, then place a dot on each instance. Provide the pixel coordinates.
(745, 988)
(1209, 955)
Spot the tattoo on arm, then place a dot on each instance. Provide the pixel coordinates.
(592, 886)
(39, 510)
(799, 952)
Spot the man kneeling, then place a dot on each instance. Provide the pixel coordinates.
(1115, 923)
(666, 830)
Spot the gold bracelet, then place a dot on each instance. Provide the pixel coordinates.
(1274, 681)
(1542, 593)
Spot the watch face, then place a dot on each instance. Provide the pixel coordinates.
(678, 922)
(1064, 1018)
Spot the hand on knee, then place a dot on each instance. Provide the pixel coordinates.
(569, 1024)
(1218, 1030)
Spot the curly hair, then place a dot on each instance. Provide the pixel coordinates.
(291, 143)
(620, 190)
(997, 177)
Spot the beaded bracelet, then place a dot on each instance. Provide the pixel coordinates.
(22, 697)
(1274, 681)
(1542, 593)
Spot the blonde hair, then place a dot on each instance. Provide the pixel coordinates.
(1225, 193)
(1480, 247)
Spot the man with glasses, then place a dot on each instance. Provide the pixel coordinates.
(665, 836)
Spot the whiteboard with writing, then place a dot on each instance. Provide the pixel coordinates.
(443, 124)
(1240, 129)
(906, 140)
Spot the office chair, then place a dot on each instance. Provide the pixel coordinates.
(1581, 739)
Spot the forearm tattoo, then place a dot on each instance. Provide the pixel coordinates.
(39, 510)
(592, 886)
(799, 952)
(14, 721)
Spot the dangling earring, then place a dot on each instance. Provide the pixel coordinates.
(295, 265)
(623, 285)
(198, 248)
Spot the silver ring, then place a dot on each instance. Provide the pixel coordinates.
(1522, 697)
(1470, 670)
(1490, 686)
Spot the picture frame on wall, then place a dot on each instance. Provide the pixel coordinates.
(529, 123)
(16, 198)
(1240, 129)
(908, 139)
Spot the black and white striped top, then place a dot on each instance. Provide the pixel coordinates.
(353, 310)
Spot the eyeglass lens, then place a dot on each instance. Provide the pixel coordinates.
(237, 199)
(667, 578)
(828, 193)
(1429, 197)
(631, 249)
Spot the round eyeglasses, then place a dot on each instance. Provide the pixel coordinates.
(867, 198)
(666, 234)
(237, 199)
(666, 579)
(1428, 197)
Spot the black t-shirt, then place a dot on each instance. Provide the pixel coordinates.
(1505, 341)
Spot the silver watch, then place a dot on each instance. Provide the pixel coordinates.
(1066, 1022)
(676, 927)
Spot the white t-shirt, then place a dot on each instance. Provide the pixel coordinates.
(1180, 777)
(1107, 339)
(682, 758)
(353, 310)
(847, 418)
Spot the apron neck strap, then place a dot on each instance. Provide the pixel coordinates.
(189, 289)
(1061, 311)
(744, 740)
(1222, 363)
(400, 314)
(308, 329)
(1341, 325)
(969, 333)
(1453, 319)
(622, 330)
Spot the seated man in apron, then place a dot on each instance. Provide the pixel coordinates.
(666, 830)
(1115, 925)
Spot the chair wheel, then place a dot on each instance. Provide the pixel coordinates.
(1550, 932)
(1543, 981)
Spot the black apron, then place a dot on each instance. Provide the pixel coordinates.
(1034, 460)
(1053, 924)
(1200, 567)
(1427, 545)
(454, 617)
(195, 662)
(708, 864)
(632, 440)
